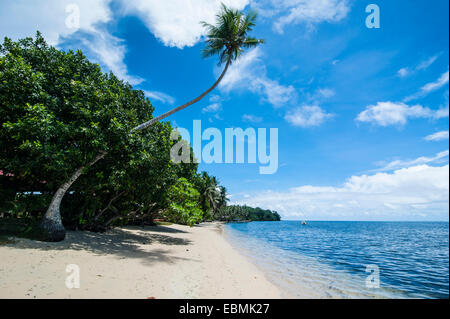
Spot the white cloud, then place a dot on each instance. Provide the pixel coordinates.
(239, 74)
(214, 98)
(438, 136)
(174, 22)
(310, 12)
(325, 93)
(20, 18)
(390, 113)
(403, 72)
(212, 108)
(427, 63)
(440, 157)
(110, 51)
(251, 118)
(276, 94)
(307, 116)
(177, 22)
(318, 96)
(415, 180)
(430, 87)
(160, 96)
(249, 72)
(442, 112)
(307, 12)
(404, 194)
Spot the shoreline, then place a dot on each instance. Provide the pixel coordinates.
(159, 262)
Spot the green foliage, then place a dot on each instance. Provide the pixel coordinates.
(246, 213)
(57, 112)
(183, 207)
(212, 195)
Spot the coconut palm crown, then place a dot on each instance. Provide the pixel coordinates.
(229, 37)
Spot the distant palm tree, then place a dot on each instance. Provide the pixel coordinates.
(211, 193)
(222, 197)
(213, 198)
(207, 189)
(228, 38)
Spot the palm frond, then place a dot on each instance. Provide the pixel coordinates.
(228, 37)
(252, 42)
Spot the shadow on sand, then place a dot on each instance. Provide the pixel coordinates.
(158, 229)
(128, 242)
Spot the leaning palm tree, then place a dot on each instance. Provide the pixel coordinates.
(228, 38)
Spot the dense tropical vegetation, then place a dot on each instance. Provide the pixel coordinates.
(60, 115)
(57, 110)
(246, 213)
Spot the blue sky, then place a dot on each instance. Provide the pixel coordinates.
(362, 114)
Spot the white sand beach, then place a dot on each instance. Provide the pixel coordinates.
(133, 262)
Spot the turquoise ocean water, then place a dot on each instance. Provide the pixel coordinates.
(349, 259)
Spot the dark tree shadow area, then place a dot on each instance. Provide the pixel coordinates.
(129, 242)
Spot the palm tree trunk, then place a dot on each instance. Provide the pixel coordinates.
(51, 224)
(179, 108)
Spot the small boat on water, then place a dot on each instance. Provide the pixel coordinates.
(303, 222)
